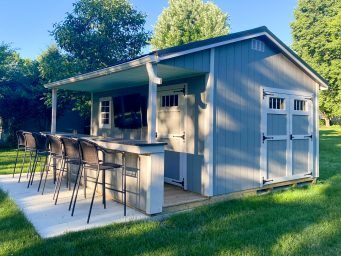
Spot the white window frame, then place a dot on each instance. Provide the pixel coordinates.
(101, 125)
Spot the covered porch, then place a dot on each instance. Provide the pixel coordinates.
(143, 76)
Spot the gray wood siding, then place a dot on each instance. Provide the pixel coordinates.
(239, 74)
(199, 61)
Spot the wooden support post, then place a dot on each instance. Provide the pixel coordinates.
(54, 111)
(152, 100)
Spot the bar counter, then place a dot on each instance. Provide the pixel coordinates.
(145, 190)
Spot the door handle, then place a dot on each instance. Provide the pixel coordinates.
(291, 137)
(309, 136)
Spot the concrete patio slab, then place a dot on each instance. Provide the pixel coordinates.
(52, 220)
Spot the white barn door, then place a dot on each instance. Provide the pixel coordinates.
(170, 128)
(286, 147)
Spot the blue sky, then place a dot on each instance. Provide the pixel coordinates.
(26, 24)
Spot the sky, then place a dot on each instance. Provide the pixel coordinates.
(26, 24)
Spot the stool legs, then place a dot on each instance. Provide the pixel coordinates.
(103, 190)
(42, 171)
(22, 165)
(47, 171)
(16, 161)
(93, 197)
(79, 182)
(74, 187)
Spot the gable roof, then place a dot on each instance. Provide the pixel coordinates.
(239, 36)
(172, 52)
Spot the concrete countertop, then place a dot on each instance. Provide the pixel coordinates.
(125, 145)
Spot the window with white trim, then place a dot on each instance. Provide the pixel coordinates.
(300, 105)
(171, 100)
(276, 103)
(105, 112)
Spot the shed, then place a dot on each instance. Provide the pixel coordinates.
(237, 112)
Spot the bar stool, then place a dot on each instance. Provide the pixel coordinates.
(90, 160)
(31, 147)
(55, 153)
(71, 155)
(41, 155)
(20, 147)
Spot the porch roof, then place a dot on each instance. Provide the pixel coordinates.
(110, 79)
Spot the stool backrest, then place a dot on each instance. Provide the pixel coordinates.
(71, 148)
(55, 145)
(41, 141)
(20, 138)
(89, 152)
(30, 141)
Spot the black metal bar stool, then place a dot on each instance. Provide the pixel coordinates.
(20, 147)
(90, 160)
(55, 154)
(71, 155)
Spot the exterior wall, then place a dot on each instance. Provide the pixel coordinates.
(199, 61)
(239, 74)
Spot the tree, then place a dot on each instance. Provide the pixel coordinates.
(55, 65)
(20, 92)
(102, 32)
(317, 39)
(186, 21)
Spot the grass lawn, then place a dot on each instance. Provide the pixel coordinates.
(300, 221)
(7, 160)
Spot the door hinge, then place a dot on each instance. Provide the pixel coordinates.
(181, 90)
(182, 183)
(309, 136)
(180, 136)
(266, 137)
(267, 180)
(308, 174)
(266, 93)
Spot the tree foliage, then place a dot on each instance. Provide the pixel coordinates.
(55, 65)
(20, 91)
(317, 39)
(186, 21)
(102, 32)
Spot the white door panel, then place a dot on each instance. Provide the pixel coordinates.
(286, 124)
(171, 129)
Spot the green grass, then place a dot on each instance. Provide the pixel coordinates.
(300, 221)
(7, 160)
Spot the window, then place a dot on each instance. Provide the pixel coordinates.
(276, 103)
(299, 105)
(257, 45)
(170, 100)
(105, 113)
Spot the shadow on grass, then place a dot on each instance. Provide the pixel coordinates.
(253, 225)
(301, 221)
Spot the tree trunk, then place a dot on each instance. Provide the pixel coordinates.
(327, 121)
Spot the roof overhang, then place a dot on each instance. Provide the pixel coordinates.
(157, 56)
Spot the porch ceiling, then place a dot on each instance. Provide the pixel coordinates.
(127, 78)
